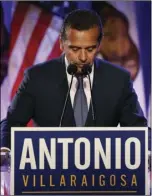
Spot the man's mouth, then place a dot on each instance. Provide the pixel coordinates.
(81, 65)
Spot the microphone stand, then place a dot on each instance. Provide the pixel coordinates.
(65, 103)
(91, 102)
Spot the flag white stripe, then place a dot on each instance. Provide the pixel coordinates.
(21, 44)
(139, 88)
(49, 40)
(56, 23)
(5, 101)
(150, 112)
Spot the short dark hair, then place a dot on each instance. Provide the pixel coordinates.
(81, 19)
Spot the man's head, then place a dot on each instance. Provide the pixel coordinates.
(80, 37)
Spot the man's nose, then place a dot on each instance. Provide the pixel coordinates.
(83, 56)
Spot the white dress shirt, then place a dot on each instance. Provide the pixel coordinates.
(86, 84)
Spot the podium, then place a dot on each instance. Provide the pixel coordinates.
(79, 161)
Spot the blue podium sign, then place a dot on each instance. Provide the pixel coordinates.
(79, 161)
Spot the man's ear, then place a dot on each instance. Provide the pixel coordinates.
(99, 47)
(61, 44)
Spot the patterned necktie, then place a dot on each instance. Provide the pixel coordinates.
(80, 104)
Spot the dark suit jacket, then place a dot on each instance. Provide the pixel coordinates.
(42, 93)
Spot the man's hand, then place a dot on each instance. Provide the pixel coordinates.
(4, 156)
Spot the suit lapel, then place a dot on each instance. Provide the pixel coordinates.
(97, 93)
(68, 119)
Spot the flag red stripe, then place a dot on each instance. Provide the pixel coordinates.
(35, 40)
(5, 190)
(17, 21)
(56, 51)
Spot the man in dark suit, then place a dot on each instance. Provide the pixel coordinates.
(42, 93)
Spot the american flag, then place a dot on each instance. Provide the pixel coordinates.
(34, 39)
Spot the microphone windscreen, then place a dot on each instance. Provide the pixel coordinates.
(87, 69)
(72, 69)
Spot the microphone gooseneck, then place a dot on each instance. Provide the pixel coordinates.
(86, 70)
(72, 69)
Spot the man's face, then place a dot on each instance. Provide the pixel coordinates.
(80, 47)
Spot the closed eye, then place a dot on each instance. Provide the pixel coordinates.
(90, 49)
(75, 49)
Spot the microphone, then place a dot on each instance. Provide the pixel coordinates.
(86, 70)
(72, 69)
